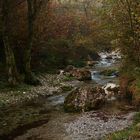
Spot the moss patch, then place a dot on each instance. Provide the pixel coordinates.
(68, 78)
(66, 88)
(108, 72)
(18, 117)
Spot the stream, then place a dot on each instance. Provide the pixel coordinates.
(93, 125)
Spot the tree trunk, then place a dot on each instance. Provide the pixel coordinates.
(29, 77)
(10, 59)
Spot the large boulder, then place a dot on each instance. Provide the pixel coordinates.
(79, 73)
(84, 99)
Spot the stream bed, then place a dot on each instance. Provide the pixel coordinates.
(93, 125)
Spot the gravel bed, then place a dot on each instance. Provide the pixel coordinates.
(96, 125)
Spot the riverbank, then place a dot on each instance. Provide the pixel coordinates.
(130, 87)
(23, 108)
(38, 112)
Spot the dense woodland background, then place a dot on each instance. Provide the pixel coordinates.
(58, 33)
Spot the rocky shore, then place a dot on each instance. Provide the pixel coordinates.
(91, 97)
(95, 125)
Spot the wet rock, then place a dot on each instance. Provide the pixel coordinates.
(61, 72)
(84, 99)
(112, 91)
(113, 55)
(110, 72)
(79, 73)
(82, 74)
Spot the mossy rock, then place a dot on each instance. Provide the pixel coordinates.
(109, 72)
(81, 74)
(85, 99)
(66, 88)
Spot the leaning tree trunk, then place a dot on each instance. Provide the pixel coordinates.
(29, 77)
(10, 59)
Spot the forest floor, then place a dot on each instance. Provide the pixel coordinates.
(23, 107)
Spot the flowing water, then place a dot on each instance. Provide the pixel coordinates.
(84, 126)
(104, 64)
